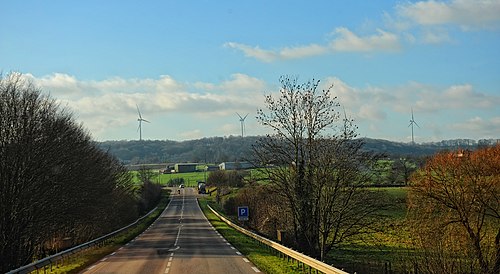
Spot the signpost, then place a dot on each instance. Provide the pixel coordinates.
(243, 213)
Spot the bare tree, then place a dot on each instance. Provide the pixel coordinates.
(54, 181)
(218, 179)
(455, 210)
(317, 166)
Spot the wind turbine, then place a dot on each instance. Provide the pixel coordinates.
(140, 120)
(412, 122)
(242, 121)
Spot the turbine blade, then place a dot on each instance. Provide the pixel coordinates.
(416, 124)
(239, 115)
(138, 111)
(146, 121)
(245, 116)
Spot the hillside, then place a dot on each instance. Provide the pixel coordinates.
(232, 148)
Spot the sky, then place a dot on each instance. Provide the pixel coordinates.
(191, 66)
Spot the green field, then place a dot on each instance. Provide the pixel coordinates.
(383, 250)
(190, 179)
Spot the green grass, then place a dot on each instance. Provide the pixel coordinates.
(84, 259)
(190, 178)
(390, 244)
(264, 258)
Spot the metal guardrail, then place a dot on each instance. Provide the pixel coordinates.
(40, 264)
(318, 265)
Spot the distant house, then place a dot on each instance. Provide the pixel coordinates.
(235, 165)
(185, 167)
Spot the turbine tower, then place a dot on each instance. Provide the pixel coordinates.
(242, 121)
(412, 122)
(140, 120)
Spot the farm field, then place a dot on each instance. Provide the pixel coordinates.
(384, 250)
(190, 178)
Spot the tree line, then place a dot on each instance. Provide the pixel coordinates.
(57, 186)
(235, 148)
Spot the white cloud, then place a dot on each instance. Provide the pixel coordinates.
(468, 14)
(283, 54)
(111, 103)
(350, 42)
(57, 83)
(488, 128)
(371, 112)
(435, 36)
(242, 82)
(346, 41)
(464, 96)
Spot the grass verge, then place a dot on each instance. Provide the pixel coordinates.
(83, 259)
(260, 255)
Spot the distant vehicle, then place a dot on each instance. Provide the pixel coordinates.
(181, 186)
(201, 188)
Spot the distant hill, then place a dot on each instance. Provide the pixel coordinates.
(233, 148)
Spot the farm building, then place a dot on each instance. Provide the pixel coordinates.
(212, 168)
(186, 167)
(235, 165)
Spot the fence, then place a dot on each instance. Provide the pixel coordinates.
(311, 262)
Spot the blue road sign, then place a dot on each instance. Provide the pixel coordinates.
(243, 213)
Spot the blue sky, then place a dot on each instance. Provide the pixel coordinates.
(191, 65)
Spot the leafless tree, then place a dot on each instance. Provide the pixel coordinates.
(55, 182)
(317, 166)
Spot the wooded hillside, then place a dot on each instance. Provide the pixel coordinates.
(236, 148)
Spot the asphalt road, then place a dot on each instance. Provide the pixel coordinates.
(180, 241)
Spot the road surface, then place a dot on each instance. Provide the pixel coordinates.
(180, 241)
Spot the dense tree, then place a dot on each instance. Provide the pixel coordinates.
(455, 212)
(55, 182)
(318, 167)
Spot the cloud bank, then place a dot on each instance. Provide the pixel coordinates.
(110, 104)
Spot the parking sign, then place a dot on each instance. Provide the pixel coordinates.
(243, 213)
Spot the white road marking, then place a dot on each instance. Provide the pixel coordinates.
(178, 235)
(170, 259)
(255, 269)
(112, 254)
(104, 259)
(167, 270)
(169, 264)
(246, 260)
(174, 249)
(91, 267)
(232, 247)
(238, 253)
